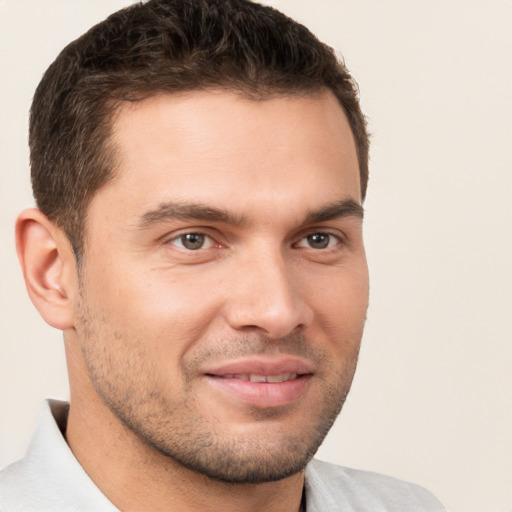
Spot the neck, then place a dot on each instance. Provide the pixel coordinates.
(134, 476)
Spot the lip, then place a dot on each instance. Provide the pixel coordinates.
(261, 366)
(223, 378)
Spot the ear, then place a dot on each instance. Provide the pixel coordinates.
(49, 267)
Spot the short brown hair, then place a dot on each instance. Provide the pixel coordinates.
(166, 46)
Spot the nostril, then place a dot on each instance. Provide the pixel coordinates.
(274, 309)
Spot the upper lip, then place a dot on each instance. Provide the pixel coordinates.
(261, 366)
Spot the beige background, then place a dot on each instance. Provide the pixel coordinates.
(432, 398)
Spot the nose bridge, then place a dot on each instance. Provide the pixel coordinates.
(265, 298)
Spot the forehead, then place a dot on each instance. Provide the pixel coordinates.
(220, 146)
(191, 115)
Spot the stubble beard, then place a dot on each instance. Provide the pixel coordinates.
(128, 384)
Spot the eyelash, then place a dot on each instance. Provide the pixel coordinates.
(331, 237)
(204, 236)
(181, 237)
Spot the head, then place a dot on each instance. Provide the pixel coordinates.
(201, 167)
(166, 46)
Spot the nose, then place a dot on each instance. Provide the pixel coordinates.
(266, 297)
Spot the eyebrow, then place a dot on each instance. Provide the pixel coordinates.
(196, 211)
(188, 211)
(337, 210)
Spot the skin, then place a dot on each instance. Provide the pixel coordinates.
(231, 235)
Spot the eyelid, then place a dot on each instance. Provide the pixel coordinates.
(340, 237)
(176, 236)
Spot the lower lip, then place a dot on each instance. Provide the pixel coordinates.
(262, 394)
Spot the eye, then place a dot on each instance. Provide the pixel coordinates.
(192, 241)
(319, 241)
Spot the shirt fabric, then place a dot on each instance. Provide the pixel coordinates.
(50, 479)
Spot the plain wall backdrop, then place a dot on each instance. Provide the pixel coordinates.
(432, 398)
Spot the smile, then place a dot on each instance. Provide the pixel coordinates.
(260, 381)
(274, 379)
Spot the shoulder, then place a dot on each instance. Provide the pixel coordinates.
(331, 487)
(14, 484)
(49, 477)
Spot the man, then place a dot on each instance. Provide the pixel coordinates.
(199, 169)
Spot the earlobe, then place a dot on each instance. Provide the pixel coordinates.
(48, 266)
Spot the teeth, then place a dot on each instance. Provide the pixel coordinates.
(283, 377)
(257, 378)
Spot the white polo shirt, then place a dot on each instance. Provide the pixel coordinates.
(50, 479)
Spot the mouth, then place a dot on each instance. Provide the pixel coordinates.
(261, 383)
(273, 379)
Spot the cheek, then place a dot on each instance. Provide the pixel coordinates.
(340, 295)
(166, 309)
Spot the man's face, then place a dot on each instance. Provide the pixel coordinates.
(224, 286)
